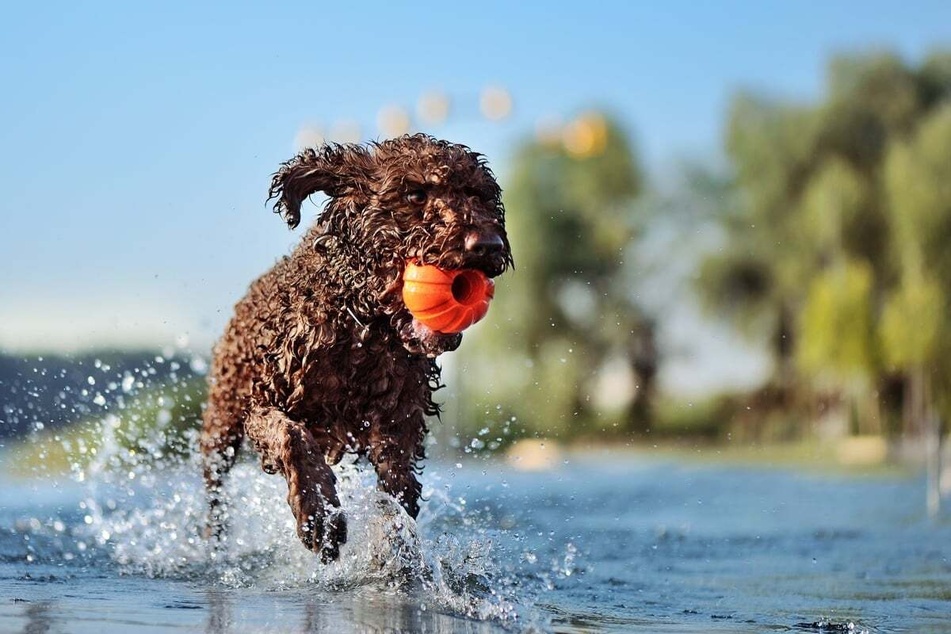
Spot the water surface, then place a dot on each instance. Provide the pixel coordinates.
(607, 542)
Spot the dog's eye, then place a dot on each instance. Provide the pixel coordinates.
(417, 196)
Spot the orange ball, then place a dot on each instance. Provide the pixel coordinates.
(446, 301)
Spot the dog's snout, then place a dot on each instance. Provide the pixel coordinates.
(484, 244)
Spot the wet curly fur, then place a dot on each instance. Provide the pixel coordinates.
(321, 357)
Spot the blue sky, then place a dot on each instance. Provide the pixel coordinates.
(138, 138)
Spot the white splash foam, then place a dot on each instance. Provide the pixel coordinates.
(149, 514)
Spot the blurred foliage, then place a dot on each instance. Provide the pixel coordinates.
(912, 324)
(837, 336)
(569, 351)
(156, 423)
(834, 246)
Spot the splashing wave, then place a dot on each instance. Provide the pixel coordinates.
(143, 512)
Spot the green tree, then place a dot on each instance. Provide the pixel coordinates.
(756, 278)
(810, 245)
(915, 332)
(838, 347)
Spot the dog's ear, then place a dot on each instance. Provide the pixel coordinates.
(333, 169)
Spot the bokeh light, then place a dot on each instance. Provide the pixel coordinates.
(433, 107)
(586, 136)
(347, 131)
(495, 103)
(309, 136)
(393, 120)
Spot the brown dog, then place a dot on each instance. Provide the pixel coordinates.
(321, 357)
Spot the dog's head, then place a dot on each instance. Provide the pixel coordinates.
(409, 198)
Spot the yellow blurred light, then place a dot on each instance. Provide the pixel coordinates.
(345, 132)
(309, 136)
(586, 136)
(433, 107)
(495, 103)
(393, 121)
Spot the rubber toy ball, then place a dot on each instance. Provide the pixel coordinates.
(447, 301)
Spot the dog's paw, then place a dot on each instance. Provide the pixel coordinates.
(335, 534)
(322, 528)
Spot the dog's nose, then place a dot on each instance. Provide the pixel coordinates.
(483, 244)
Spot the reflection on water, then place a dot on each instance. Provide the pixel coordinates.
(603, 544)
(364, 612)
(38, 617)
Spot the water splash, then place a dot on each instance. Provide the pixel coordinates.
(141, 510)
(145, 511)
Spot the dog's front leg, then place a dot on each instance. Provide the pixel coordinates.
(395, 472)
(289, 447)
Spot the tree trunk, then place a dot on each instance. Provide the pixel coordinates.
(783, 350)
(914, 405)
(932, 445)
(642, 355)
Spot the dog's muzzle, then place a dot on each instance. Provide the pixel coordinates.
(485, 250)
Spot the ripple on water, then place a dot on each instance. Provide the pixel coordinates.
(603, 546)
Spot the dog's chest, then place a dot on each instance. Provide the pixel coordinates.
(362, 386)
